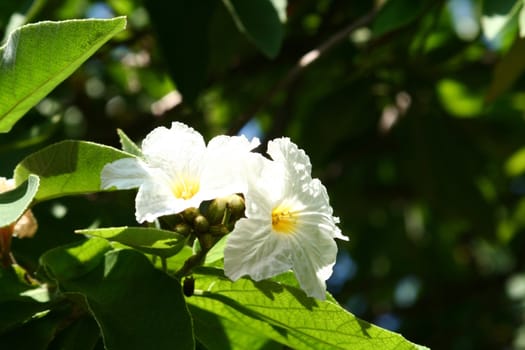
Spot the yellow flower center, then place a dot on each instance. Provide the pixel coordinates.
(185, 188)
(284, 220)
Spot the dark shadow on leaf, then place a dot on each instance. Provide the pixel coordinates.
(364, 327)
(53, 160)
(244, 310)
(269, 288)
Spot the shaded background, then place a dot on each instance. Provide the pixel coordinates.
(415, 122)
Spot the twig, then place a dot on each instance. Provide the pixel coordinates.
(304, 62)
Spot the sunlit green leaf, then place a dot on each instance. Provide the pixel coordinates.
(75, 260)
(216, 252)
(286, 315)
(259, 20)
(67, 168)
(128, 145)
(218, 333)
(14, 203)
(149, 240)
(37, 57)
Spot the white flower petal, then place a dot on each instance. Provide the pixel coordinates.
(251, 250)
(314, 255)
(123, 174)
(227, 161)
(178, 146)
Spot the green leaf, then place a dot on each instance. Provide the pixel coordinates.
(67, 168)
(216, 253)
(259, 20)
(74, 260)
(396, 14)
(218, 333)
(128, 145)
(184, 22)
(14, 203)
(18, 300)
(83, 334)
(37, 57)
(35, 334)
(497, 16)
(135, 305)
(507, 70)
(148, 240)
(285, 314)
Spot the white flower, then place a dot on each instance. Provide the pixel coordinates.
(178, 171)
(288, 224)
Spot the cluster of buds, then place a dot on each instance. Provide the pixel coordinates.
(211, 221)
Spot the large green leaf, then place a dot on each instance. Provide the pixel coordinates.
(218, 333)
(37, 57)
(285, 314)
(74, 260)
(14, 203)
(135, 305)
(67, 168)
(83, 334)
(259, 20)
(182, 30)
(149, 240)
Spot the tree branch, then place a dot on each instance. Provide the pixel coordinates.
(304, 62)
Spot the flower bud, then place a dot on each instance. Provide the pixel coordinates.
(183, 228)
(201, 224)
(190, 214)
(219, 230)
(216, 210)
(236, 206)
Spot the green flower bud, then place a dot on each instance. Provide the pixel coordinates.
(236, 206)
(215, 211)
(201, 224)
(190, 214)
(183, 228)
(219, 230)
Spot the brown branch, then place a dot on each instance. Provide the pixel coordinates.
(304, 62)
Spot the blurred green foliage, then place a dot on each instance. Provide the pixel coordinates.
(414, 122)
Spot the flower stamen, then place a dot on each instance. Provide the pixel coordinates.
(283, 220)
(185, 188)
